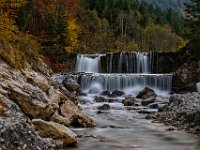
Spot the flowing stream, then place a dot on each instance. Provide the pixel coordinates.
(122, 127)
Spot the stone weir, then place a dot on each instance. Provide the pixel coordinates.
(130, 62)
(111, 82)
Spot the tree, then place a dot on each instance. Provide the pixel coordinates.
(193, 18)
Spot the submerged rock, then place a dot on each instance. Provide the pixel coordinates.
(104, 107)
(154, 106)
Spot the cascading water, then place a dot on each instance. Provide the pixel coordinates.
(132, 62)
(133, 71)
(88, 63)
(113, 82)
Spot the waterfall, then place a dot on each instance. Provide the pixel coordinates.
(123, 81)
(126, 62)
(88, 63)
(126, 70)
(131, 62)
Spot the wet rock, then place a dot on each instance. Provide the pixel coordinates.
(128, 101)
(147, 95)
(55, 131)
(154, 106)
(71, 85)
(118, 93)
(77, 118)
(104, 107)
(99, 99)
(105, 93)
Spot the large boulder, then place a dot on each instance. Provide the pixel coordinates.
(71, 84)
(147, 95)
(77, 118)
(55, 131)
(31, 106)
(16, 129)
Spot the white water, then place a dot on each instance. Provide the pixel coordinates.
(143, 63)
(131, 83)
(88, 63)
(130, 62)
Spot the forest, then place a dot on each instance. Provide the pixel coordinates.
(58, 29)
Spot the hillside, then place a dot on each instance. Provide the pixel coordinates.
(176, 5)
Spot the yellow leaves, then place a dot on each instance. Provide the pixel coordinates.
(7, 25)
(73, 31)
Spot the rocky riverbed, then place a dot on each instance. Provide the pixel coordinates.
(182, 111)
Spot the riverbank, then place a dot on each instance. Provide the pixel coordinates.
(182, 112)
(34, 112)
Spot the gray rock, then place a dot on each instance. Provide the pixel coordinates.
(147, 95)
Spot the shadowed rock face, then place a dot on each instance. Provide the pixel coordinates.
(186, 77)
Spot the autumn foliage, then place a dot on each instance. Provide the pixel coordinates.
(59, 29)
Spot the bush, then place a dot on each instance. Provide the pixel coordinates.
(17, 49)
